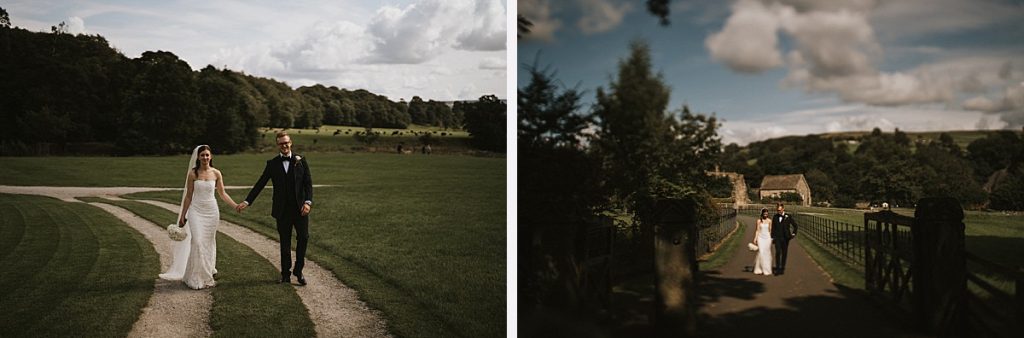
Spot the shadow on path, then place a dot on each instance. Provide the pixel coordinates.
(803, 302)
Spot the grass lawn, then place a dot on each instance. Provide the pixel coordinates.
(247, 300)
(421, 238)
(67, 269)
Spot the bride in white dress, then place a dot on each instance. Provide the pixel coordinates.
(194, 259)
(763, 240)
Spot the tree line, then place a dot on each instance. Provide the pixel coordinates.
(57, 89)
(891, 167)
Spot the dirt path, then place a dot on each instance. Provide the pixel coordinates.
(173, 310)
(334, 308)
(800, 303)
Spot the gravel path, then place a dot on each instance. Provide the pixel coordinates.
(173, 310)
(803, 302)
(334, 308)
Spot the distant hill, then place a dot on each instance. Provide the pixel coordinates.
(961, 137)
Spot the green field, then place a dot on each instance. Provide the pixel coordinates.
(67, 269)
(323, 139)
(421, 238)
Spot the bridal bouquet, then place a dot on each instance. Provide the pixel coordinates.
(752, 246)
(176, 232)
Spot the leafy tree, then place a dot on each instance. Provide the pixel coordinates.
(161, 110)
(993, 152)
(228, 127)
(942, 173)
(823, 189)
(647, 153)
(547, 118)
(1008, 196)
(485, 122)
(5, 19)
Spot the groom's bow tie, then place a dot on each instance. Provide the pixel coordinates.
(286, 158)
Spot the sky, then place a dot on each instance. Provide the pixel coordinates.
(437, 49)
(771, 68)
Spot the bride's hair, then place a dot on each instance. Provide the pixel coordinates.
(202, 148)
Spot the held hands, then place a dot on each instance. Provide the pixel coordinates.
(241, 206)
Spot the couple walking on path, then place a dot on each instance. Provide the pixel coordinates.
(776, 231)
(194, 259)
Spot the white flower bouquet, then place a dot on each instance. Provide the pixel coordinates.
(752, 246)
(176, 232)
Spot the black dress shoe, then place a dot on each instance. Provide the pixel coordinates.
(302, 280)
(286, 279)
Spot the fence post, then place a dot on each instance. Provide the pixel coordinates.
(675, 267)
(940, 267)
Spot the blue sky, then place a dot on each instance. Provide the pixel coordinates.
(791, 67)
(397, 48)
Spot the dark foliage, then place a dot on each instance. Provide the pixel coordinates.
(60, 91)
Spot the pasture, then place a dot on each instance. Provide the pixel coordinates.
(341, 138)
(421, 238)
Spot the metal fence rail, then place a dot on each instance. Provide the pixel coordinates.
(710, 236)
(844, 240)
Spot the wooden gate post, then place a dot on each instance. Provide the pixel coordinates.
(940, 267)
(675, 267)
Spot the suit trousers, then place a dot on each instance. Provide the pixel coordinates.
(781, 251)
(284, 229)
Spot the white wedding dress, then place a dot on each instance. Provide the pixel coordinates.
(763, 260)
(194, 259)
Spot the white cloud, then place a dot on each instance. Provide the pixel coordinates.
(538, 12)
(910, 18)
(75, 25)
(601, 15)
(492, 63)
(421, 30)
(487, 31)
(835, 50)
(1009, 106)
(749, 41)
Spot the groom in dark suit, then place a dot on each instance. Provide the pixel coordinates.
(783, 230)
(293, 199)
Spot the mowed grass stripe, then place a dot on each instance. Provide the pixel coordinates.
(78, 271)
(247, 301)
(12, 228)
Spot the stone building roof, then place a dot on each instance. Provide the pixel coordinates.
(781, 182)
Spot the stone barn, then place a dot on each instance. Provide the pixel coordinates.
(774, 185)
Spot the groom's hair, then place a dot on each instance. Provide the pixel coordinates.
(281, 134)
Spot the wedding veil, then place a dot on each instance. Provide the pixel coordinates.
(184, 187)
(180, 249)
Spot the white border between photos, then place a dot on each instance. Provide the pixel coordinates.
(511, 62)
